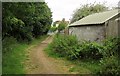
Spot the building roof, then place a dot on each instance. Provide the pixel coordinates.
(97, 18)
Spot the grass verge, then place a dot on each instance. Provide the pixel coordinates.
(78, 66)
(13, 60)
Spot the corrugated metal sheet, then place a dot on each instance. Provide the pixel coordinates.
(97, 18)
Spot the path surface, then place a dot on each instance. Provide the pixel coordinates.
(40, 63)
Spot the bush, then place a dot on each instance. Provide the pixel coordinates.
(68, 46)
(109, 66)
(111, 47)
(90, 50)
(65, 46)
(106, 53)
(110, 62)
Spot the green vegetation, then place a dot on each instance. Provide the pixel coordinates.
(64, 45)
(53, 29)
(98, 58)
(62, 25)
(14, 55)
(110, 61)
(69, 46)
(110, 66)
(22, 25)
(26, 20)
(86, 10)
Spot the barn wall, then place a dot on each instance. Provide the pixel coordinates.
(112, 29)
(89, 33)
(119, 28)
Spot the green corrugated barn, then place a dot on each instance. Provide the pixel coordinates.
(96, 27)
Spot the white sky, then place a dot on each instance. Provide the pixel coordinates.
(64, 8)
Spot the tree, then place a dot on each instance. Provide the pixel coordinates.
(53, 29)
(42, 19)
(25, 20)
(14, 20)
(62, 25)
(86, 10)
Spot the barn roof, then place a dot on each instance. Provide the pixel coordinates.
(97, 18)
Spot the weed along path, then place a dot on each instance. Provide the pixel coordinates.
(39, 63)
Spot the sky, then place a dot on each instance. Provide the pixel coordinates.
(64, 8)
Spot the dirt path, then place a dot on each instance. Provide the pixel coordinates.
(40, 63)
